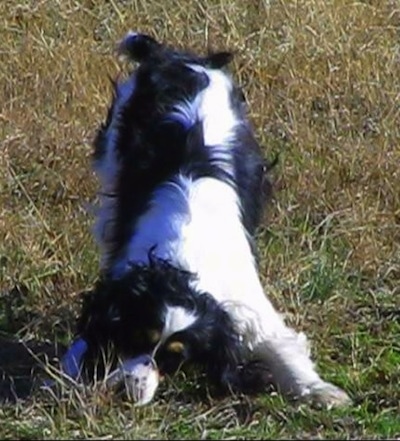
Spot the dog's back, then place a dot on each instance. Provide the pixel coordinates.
(180, 168)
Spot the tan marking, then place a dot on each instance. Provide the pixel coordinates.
(175, 346)
(153, 335)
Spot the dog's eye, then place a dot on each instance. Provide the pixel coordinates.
(137, 335)
(153, 335)
(175, 346)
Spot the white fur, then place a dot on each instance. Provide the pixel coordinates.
(213, 245)
(176, 319)
(214, 109)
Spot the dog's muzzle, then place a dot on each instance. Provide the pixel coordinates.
(139, 376)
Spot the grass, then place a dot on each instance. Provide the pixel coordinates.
(322, 81)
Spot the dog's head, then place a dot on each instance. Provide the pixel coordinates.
(153, 312)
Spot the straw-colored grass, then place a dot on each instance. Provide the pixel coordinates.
(322, 79)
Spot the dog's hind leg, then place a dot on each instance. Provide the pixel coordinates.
(286, 355)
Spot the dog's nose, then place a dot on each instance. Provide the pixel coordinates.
(145, 360)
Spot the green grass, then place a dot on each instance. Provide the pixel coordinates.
(322, 81)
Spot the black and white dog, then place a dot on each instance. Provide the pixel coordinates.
(183, 186)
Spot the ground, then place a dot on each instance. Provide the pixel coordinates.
(321, 78)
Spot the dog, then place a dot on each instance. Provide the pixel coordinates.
(183, 189)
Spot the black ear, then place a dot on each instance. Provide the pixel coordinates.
(138, 46)
(219, 60)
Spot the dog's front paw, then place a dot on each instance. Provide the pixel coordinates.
(323, 394)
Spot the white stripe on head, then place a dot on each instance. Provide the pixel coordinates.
(215, 109)
(177, 319)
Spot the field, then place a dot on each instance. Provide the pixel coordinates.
(322, 79)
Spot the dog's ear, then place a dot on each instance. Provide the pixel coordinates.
(137, 46)
(218, 60)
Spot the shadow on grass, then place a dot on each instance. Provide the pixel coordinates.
(21, 366)
(22, 360)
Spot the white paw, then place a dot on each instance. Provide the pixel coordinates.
(323, 394)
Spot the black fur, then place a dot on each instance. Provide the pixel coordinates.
(121, 313)
(139, 46)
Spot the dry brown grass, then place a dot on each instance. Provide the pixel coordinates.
(322, 81)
